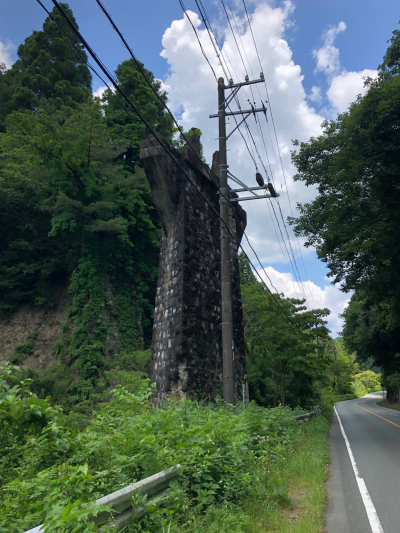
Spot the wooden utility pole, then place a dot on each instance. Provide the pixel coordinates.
(226, 276)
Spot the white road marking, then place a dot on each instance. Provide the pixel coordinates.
(387, 409)
(366, 498)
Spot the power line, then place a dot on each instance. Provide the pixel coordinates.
(214, 42)
(138, 64)
(106, 13)
(233, 33)
(276, 137)
(117, 88)
(213, 39)
(293, 263)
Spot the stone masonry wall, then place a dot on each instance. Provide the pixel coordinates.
(186, 348)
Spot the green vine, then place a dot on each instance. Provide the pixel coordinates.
(21, 351)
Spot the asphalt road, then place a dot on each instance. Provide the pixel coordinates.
(364, 483)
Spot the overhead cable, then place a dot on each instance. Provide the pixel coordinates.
(144, 121)
(292, 258)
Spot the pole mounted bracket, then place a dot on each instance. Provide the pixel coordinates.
(240, 112)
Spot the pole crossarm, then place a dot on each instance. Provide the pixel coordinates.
(250, 189)
(237, 180)
(231, 113)
(251, 82)
(251, 198)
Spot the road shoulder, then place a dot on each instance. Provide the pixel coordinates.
(344, 512)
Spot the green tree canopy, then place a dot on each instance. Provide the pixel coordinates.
(48, 67)
(126, 125)
(353, 222)
(284, 365)
(355, 166)
(72, 211)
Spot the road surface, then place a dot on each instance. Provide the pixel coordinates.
(364, 483)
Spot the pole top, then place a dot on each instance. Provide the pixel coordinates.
(221, 81)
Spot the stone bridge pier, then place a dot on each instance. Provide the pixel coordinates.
(187, 339)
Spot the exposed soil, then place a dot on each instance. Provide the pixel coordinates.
(46, 323)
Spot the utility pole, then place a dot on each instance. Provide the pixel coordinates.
(336, 367)
(226, 275)
(228, 367)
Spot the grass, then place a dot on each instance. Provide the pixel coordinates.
(385, 403)
(297, 484)
(345, 397)
(304, 470)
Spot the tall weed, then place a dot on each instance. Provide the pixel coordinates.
(54, 477)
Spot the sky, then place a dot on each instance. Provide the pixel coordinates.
(315, 55)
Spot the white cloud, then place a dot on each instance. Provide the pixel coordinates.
(5, 56)
(192, 88)
(329, 296)
(327, 57)
(99, 92)
(315, 95)
(192, 91)
(345, 88)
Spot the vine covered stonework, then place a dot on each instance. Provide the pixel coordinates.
(79, 217)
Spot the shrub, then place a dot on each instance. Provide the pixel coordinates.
(224, 455)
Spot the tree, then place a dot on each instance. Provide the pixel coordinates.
(354, 164)
(283, 363)
(371, 330)
(353, 223)
(76, 210)
(394, 383)
(48, 67)
(127, 126)
(342, 367)
(75, 213)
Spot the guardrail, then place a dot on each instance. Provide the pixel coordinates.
(121, 501)
(308, 416)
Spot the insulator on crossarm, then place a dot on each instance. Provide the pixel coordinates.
(246, 78)
(231, 81)
(272, 190)
(260, 179)
(261, 75)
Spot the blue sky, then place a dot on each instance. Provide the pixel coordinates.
(369, 25)
(315, 52)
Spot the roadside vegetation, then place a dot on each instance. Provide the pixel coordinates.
(242, 469)
(395, 406)
(352, 223)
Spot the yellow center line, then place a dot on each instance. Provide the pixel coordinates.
(390, 422)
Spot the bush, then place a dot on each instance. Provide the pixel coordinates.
(21, 351)
(225, 455)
